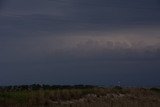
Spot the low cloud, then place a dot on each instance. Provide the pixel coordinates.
(120, 45)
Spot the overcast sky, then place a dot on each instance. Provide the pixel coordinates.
(98, 42)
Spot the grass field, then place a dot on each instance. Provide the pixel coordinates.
(80, 97)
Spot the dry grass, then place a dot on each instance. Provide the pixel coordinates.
(89, 97)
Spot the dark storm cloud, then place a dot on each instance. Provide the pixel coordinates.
(73, 41)
(74, 15)
(2, 3)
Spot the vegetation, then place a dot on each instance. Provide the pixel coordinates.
(79, 95)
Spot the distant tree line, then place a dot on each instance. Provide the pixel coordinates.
(55, 87)
(43, 87)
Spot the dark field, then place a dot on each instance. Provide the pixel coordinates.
(78, 96)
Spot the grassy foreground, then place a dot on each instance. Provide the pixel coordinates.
(80, 96)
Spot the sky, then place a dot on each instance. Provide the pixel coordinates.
(97, 42)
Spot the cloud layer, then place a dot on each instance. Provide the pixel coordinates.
(73, 41)
(130, 44)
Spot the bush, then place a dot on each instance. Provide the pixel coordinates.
(155, 89)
